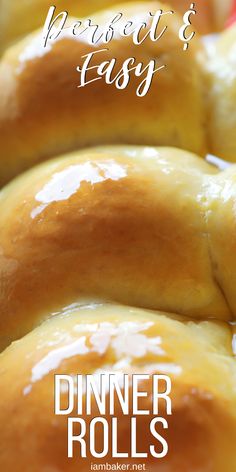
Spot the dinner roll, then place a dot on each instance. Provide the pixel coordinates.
(103, 339)
(44, 114)
(136, 225)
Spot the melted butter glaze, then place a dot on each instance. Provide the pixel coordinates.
(66, 183)
(197, 356)
(128, 339)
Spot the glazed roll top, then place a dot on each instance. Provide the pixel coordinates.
(43, 108)
(102, 339)
(140, 226)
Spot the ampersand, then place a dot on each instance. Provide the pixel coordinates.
(187, 23)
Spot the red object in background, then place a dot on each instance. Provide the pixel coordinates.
(232, 18)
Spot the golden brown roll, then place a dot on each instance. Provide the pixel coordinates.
(44, 114)
(151, 227)
(222, 117)
(19, 18)
(103, 339)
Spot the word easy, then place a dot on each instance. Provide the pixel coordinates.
(106, 70)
